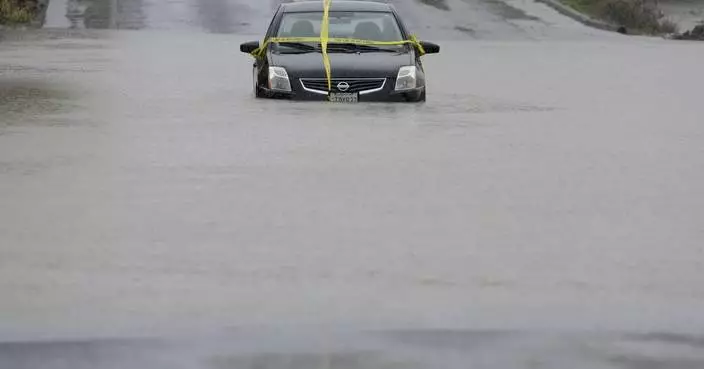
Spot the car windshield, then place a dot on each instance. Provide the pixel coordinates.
(375, 26)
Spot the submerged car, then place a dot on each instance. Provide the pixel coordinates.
(388, 68)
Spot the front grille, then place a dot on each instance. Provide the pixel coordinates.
(356, 84)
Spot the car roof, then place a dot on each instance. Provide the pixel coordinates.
(338, 5)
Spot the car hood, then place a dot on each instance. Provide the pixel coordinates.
(343, 64)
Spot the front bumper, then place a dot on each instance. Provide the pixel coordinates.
(387, 94)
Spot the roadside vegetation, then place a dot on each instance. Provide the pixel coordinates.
(14, 12)
(440, 4)
(634, 16)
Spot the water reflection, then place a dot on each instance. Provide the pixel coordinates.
(27, 99)
(130, 14)
(104, 14)
(215, 16)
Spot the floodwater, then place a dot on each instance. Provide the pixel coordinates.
(544, 208)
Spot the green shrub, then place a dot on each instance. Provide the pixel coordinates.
(440, 4)
(16, 11)
(630, 13)
(636, 15)
(668, 26)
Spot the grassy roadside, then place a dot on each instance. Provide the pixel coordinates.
(636, 16)
(17, 12)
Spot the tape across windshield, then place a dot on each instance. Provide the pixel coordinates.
(324, 39)
(324, 29)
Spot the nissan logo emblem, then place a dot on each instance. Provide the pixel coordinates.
(343, 86)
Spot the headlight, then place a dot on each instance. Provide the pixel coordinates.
(406, 79)
(278, 79)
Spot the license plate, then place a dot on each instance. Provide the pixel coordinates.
(344, 97)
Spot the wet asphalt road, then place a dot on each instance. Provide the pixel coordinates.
(554, 182)
(446, 19)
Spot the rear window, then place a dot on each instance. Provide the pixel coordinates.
(377, 26)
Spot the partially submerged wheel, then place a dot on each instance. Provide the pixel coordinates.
(421, 98)
(255, 85)
(258, 92)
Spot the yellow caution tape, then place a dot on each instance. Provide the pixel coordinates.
(324, 28)
(324, 40)
(262, 49)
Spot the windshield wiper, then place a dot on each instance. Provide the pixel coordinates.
(360, 48)
(300, 47)
(335, 47)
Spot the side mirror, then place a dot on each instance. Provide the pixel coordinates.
(430, 48)
(248, 47)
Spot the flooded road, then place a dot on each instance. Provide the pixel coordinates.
(548, 184)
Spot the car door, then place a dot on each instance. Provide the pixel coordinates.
(260, 67)
(417, 57)
(406, 35)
